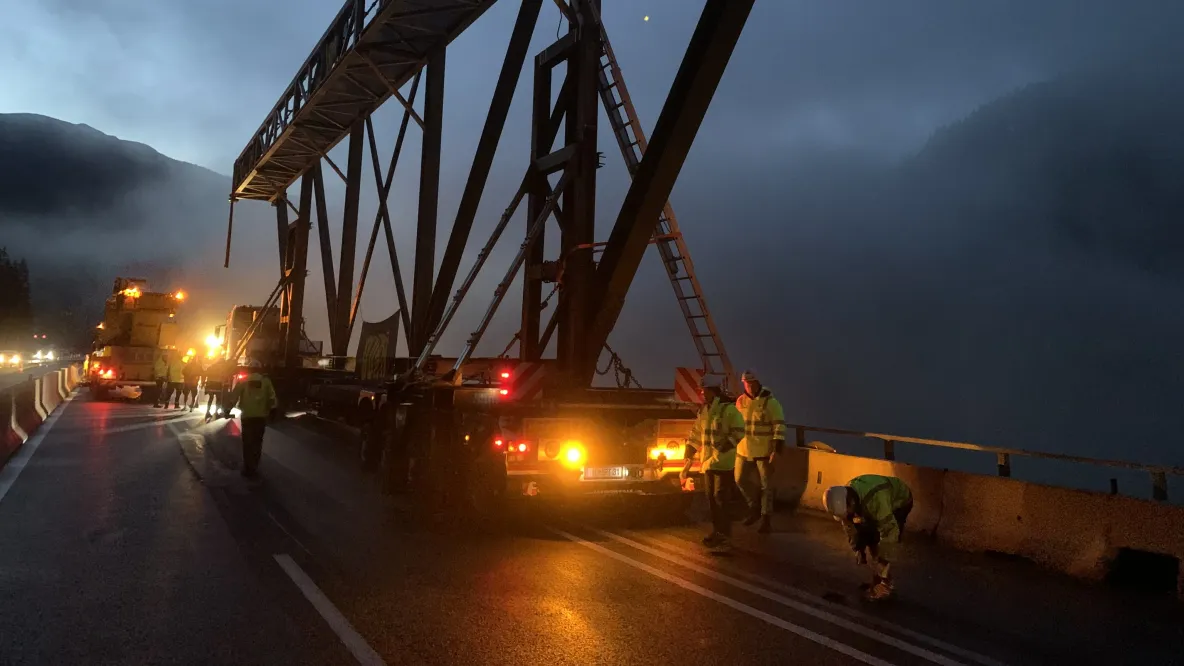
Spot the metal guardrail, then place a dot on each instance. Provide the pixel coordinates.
(1158, 473)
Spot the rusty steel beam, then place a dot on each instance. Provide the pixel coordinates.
(702, 67)
(326, 248)
(281, 228)
(297, 257)
(578, 217)
(429, 199)
(491, 133)
(349, 237)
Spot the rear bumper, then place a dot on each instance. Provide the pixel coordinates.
(543, 485)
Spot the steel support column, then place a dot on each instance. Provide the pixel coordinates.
(281, 228)
(541, 139)
(702, 67)
(349, 237)
(578, 215)
(296, 268)
(429, 199)
(326, 248)
(491, 133)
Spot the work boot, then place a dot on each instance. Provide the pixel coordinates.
(765, 527)
(722, 545)
(880, 591)
(711, 539)
(753, 516)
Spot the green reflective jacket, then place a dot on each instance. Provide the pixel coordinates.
(879, 497)
(764, 424)
(717, 430)
(255, 396)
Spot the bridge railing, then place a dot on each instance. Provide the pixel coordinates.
(1158, 473)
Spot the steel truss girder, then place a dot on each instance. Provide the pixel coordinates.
(495, 121)
(370, 26)
(702, 67)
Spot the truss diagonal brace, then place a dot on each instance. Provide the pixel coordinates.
(495, 121)
(698, 76)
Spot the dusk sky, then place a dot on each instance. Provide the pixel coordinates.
(194, 79)
(818, 94)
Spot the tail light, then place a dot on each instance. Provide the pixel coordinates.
(503, 392)
(241, 375)
(521, 447)
(499, 444)
(108, 374)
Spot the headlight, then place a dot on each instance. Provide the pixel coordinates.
(49, 356)
(1, 359)
(16, 359)
(573, 455)
(37, 356)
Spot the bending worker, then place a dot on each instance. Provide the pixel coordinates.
(873, 510)
(717, 430)
(764, 437)
(256, 399)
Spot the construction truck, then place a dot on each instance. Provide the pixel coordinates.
(138, 327)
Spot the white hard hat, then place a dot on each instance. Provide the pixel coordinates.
(749, 376)
(835, 501)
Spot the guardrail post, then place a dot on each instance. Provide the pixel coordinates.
(800, 436)
(1159, 486)
(889, 450)
(1003, 462)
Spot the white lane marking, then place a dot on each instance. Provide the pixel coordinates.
(17, 463)
(690, 551)
(345, 631)
(831, 643)
(786, 601)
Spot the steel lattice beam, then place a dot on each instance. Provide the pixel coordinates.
(702, 67)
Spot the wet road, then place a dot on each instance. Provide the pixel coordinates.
(129, 537)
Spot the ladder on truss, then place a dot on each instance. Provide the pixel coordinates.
(676, 258)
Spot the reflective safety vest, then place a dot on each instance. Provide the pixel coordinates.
(255, 397)
(764, 423)
(192, 370)
(160, 369)
(717, 430)
(880, 497)
(176, 372)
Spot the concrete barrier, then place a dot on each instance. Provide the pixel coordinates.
(802, 476)
(1075, 532)
(25, 406)
(11, 436)
(51, 392)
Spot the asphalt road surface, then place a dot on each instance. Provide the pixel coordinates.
(127, 536)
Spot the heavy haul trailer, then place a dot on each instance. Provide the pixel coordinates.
(138, 327)
(495, 445)
(443, 429)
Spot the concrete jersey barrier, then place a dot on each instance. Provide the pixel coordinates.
(25, 406)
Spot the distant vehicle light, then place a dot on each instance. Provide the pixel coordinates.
(180, 295)
(1, 358)
(49, 356)
(37, 356)
(15, 359)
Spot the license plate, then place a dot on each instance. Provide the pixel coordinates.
(593, 473)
